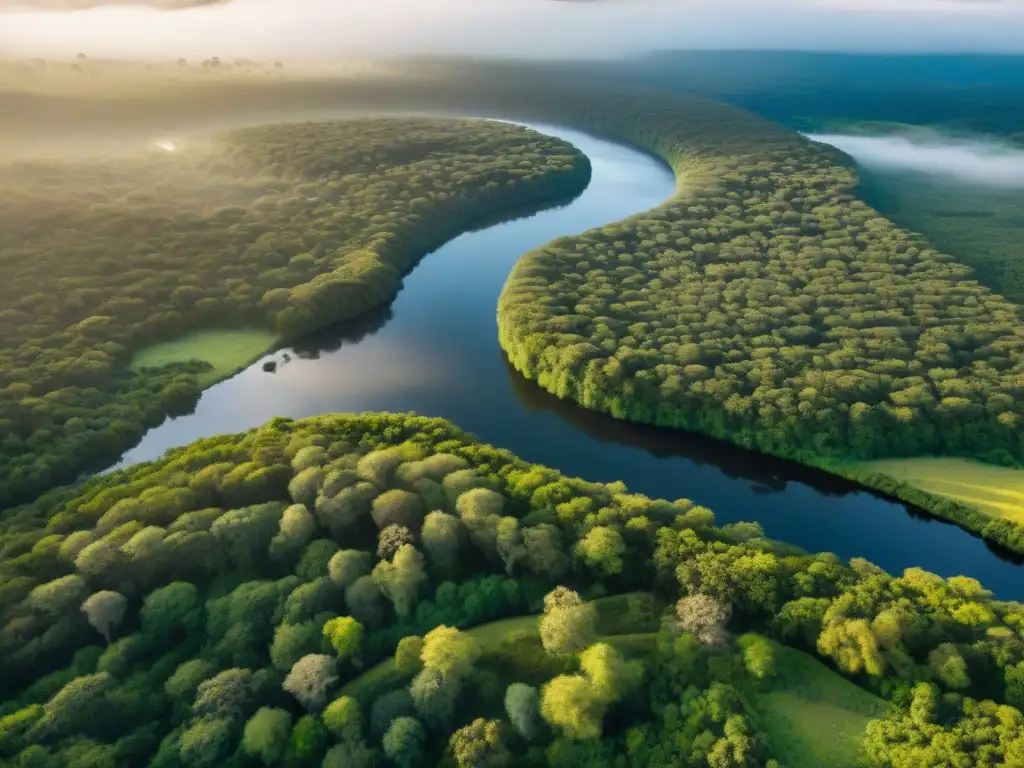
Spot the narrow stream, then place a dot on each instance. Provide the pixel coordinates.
(435, 352)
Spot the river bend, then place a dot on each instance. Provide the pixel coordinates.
(435, 352)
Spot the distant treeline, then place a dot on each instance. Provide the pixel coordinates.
(807, 90)
(290, 227)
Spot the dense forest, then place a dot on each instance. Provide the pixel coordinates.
(827, 334)
(767, 305)
(808, 90)
(359, 590)
(981, 226)
(288, 227)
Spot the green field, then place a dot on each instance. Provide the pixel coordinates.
(813, 716)
(995, 491)
(226, 350)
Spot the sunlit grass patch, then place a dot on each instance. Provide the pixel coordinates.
(814, 716)
(226, 350)
(995, 491)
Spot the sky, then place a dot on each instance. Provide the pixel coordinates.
(528, 28)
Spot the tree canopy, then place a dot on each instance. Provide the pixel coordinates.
(285, 227)
(229, 650)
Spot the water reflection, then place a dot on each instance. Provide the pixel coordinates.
(332, 339)
(766, 474)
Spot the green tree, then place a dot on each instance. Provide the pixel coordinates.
(400, 579)
(345, 635)
(571, 704)
(344, 719)
(205, 742)
(949, 666)
(58, 597)
(479, 745)
(522, 705)
(388, 707)
(308, 741)
(225, 696)
(347, 565)
(363, 598)
(441, 536)
(611, 676)
(170, 612)
(407, 655)
(296, 529)
(602, 549)
(292, 642)
(758, 655)
(404, 742)
(569, 624)
(397, 507)
(182, 685)
(76, 706)
(266, 735)
(449, 651)
(305, 486)
(350, 754)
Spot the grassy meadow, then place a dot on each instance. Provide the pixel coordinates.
(226, 350)
(995, 491)
(813, 716)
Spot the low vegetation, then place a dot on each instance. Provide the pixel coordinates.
(356, 590)
(996, 491)
(223, 351)
(280, 228)
(813, 716)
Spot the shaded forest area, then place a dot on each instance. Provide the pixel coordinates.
(982, 227)
(288, 227)
(227, 606)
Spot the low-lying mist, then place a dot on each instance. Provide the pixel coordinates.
(983, 162)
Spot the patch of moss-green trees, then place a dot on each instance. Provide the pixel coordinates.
(281, 227)
(231, 605)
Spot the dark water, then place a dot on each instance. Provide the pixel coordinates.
(434, 351)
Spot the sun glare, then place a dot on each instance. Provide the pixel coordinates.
(167, 146)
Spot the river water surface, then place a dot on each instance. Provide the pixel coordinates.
(435, 352)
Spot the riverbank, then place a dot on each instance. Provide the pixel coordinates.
(782, 327)
(227, 351)
(287, 226)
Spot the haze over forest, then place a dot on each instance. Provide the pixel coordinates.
(534, 28)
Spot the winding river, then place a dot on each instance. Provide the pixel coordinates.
(435, 352)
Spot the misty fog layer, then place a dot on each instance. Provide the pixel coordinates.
(976, 161)
(537, 28)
